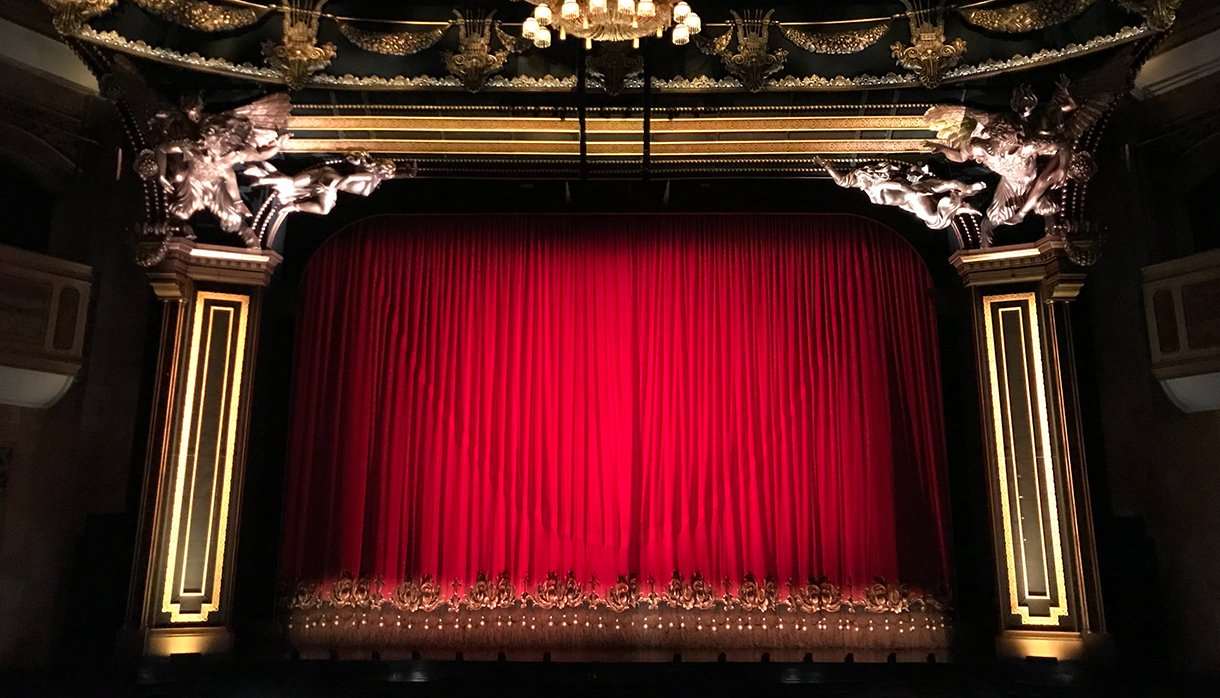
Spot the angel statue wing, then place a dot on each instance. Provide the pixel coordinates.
(1081, 104)
(954, 124)
(267, 116)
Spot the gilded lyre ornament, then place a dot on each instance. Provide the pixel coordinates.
(612, 63)
(836, 42)
(913, 188)
(929, 55)
(399, 43)
(475, 61)
(1159, 14)
(70, 16)
(203, 16)
(753, 63)
(1022, 17)
(298, 56)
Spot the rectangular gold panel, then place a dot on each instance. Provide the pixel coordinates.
(395, 146)
(202, 477)
(1026, 468)
(659, 124)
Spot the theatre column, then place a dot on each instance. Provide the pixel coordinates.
(1049, 598)
(182, 590)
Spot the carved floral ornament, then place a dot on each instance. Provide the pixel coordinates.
(426, 595)
(297, 59)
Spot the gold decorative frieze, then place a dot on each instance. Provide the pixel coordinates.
(399, 43)
(558, 592)
(600, 149)
(815, 83)
(840, 42)
(1023, 17)
(204, 16)
(1026, 476)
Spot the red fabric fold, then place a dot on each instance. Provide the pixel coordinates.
(618, 395)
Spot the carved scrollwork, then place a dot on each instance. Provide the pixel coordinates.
(558, 593)
(416, 596)
(753, 595)
(817, 596)
(203, 16)
(1025, 17)
(837, 42)
(358, 592)
(697, 595)
(400, 43)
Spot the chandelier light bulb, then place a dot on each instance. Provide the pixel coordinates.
(529, 28)
(681, 35)
(681, 10)
(543, 14)
(597, 7)
(693, 22)
(542, 38)
(646, 8)
(626, 7)
(570, 10)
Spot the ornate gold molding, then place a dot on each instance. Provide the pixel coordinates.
(601, 149)
(298, 55)
(814, 83)
(841, 42)
(1025, 16)
(203, 16)
(753, 63)
(556, 592)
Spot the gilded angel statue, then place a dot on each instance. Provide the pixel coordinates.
(1035, 152)
(913, 188)
(196, 162)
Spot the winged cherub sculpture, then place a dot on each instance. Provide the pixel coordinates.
(199, 154)
(913, 188)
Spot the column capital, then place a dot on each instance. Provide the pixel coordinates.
(1046, 262)
(187, 262)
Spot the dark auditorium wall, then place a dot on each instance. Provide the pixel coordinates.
(66, 527)
(1157, 470)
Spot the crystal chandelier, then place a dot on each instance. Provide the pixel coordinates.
(610, 20)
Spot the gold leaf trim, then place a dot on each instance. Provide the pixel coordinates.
(400, 43)
(424, 595)
(836, 43)
(203, 16)
(1026, 16)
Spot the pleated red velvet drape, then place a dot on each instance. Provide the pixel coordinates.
(723, 395)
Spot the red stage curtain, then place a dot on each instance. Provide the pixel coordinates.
(722, 395)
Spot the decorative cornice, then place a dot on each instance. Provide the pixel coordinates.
(835, 43)
(194, 61)
(203, 16)
(1023, 17)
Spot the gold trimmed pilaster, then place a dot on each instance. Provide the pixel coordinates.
(1046, 568)
(182, 589)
